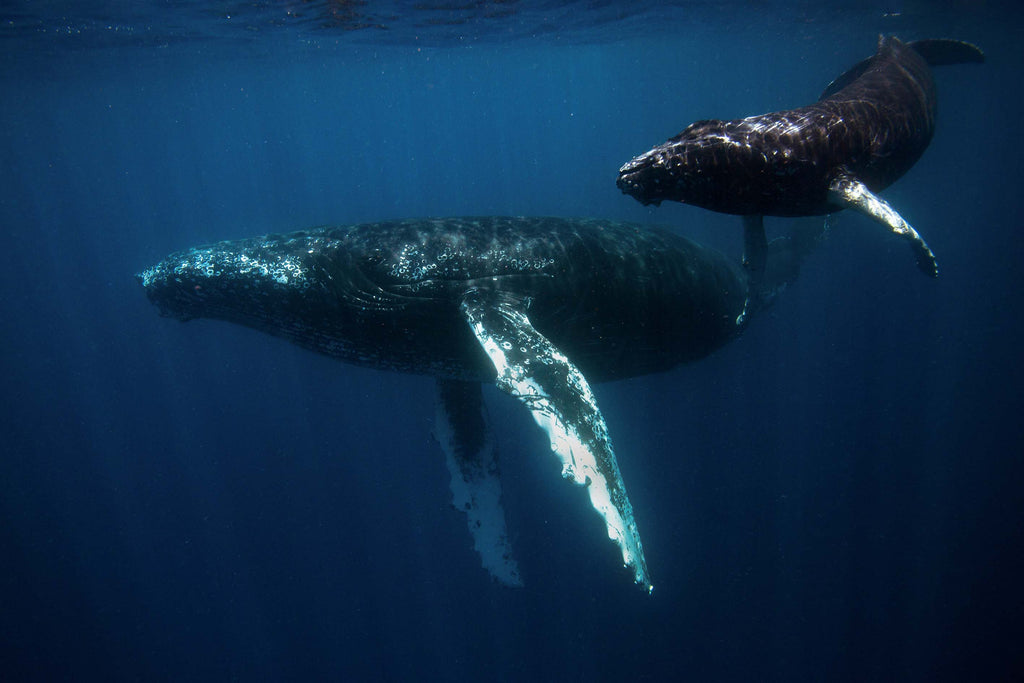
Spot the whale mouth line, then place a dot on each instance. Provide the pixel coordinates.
(630, 185)
(627, 182)
(170, 312)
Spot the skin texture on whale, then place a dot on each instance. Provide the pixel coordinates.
(538, 306)
(621, 299)
(869, 127)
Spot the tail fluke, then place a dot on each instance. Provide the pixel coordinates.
(942, 52)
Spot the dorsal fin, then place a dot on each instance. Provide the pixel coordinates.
(848, 77)
(858, 69)
(937, 52)
(940, 52)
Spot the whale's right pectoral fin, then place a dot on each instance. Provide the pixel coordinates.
(755, 256)
(531, 369)
(851, 193)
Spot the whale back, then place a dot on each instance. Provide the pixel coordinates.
(887, 114)
(621, 299)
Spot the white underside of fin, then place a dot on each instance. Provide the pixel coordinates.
(852, 193)
(476, 491)
(538, 370)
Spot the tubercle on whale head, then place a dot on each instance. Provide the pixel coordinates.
(183, 292)
(647, 178)
(225, 280)
(683, 168)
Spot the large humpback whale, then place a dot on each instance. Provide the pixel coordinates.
(535, 305)
(867, 129)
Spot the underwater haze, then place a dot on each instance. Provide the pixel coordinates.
(834, 496)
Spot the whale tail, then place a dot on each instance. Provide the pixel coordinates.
(943, 52)
(935, 52)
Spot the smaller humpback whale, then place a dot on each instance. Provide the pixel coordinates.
(533, 305)
(868, 128)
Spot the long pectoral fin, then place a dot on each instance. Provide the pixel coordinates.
(530, 368)
(787, 253)
(853, 194)
(755, 256)
(464, 436)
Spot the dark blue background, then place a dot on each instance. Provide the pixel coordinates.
(835, 496)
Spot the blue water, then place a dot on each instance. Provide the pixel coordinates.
(835, 496)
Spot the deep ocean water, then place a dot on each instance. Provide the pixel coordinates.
(834, 496)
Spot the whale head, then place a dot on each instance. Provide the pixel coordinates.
(333, 290)
(683, 169)
(707, 165)
(648, 178)
(256, 282)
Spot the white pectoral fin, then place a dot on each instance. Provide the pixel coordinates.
(531, 369)
(851, 193)
(465, 438)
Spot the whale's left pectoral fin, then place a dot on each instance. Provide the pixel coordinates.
(465, 438)
(531, 369)
(852, 193)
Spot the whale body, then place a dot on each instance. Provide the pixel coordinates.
(869, 127)
(535, 305)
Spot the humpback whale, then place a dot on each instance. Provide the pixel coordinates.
(540, 307)
(867, 129)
